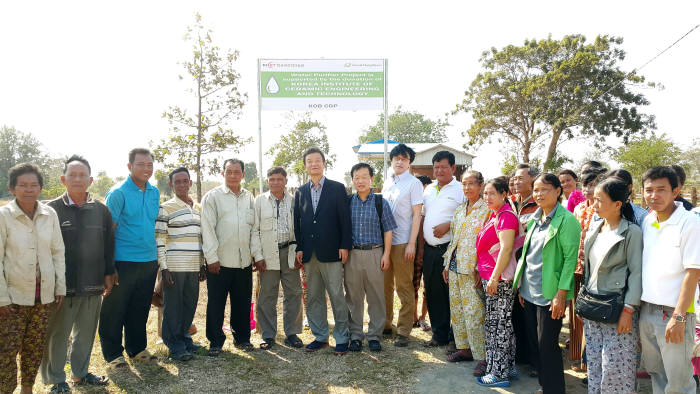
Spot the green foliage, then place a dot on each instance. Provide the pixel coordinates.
(101, 185)
(545, 92)
(163, 185)
(406, 126)
(288, 151)
(52, 170)
(690, 160)
(251, 182)
(642, 153)
(198, 135)
(17, 147)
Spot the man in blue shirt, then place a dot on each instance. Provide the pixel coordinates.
(134, 205)
(372, 228)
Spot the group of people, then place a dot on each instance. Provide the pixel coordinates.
(501, 260)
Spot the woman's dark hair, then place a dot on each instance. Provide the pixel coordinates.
(499, 183)
(24, 168)
(475, 174)
(424, 179)
(592, 175)
(618, 190)
(661, 172)
(622, 174)
(568, 172)
(551, 179)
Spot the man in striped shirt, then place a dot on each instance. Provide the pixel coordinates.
(181, 262)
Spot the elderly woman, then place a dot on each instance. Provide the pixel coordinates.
(466, 305)
(32, 276)
(545, 278)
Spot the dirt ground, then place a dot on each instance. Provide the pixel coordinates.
(414, 369)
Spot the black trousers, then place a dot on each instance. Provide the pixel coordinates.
(543, 334)
(179, 306)
(437, 293)
(236, 284)
(523, 350)
(126, 308)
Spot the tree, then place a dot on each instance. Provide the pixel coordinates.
(251, 182)
(690, 160)
(17, 147)
(289, 150)
(196, 137)
(406, 127)
(101, 185)
(642, 153)
(545, 92)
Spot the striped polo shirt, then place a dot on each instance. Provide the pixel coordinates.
(179, 236)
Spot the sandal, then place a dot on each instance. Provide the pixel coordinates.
(424, 325)
(293, 341)
(480, 369)
(267, 343)
(60, 388)
(117, 363)
(433, 343)
(92, 380)
(459, 356)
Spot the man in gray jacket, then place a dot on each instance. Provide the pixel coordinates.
(274, 251)
(86, 226)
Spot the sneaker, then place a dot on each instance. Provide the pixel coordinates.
(492, 381)
(214, 351)
(60, 388)
(193, 347)
(513, 374)
(355, 345)
(341, 348)
(374, 345)
(316, 345)
(401, 341)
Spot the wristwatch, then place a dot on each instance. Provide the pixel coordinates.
(679, 318)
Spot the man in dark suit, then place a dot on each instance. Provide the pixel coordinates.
(324, 236)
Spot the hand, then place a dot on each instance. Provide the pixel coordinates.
(299, 260)
(5, 311)
(115, 278)
(343, 255)
(109, 284)
(386, 261)
(477, 281)
(410, 252)
(441, 229)
(446, 276)
(167, 278)
(674, 331)
(202, 273)
(214, 268)
(260, 266)
(558, 306)
(624, 324)
(520, 299)
(492, 287)
(59, 301)
(158, 288)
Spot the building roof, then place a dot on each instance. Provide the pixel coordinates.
(374, 150)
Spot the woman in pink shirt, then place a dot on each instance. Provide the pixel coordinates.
(572, 196)
(496, 265)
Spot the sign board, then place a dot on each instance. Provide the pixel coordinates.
(322, 84)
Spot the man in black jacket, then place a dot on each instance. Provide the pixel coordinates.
(324, 236)
(86, 226)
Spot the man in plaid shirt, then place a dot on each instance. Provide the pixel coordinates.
(369, 258)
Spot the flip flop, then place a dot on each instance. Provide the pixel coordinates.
(293, 341)
(267, 344)
(458, 357)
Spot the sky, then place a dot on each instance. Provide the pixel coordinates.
(94, 77)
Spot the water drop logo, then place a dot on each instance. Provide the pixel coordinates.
(272, 87)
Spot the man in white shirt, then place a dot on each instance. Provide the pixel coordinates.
(670, 273)
(227, 222)
(274, 251)
(441, 200)
(405, 196)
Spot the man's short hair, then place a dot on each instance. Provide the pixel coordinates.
(178, 170)
(276, 170)
(24, 168)
(139, 151)
(531, 170)
(424, 179)
(442, 155)
(403, 150)
(233, 161)
(680, 172)
(660, 172)
(360, 166)
(313, 150)
(76, 158)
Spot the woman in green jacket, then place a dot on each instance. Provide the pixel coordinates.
(545, 278)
